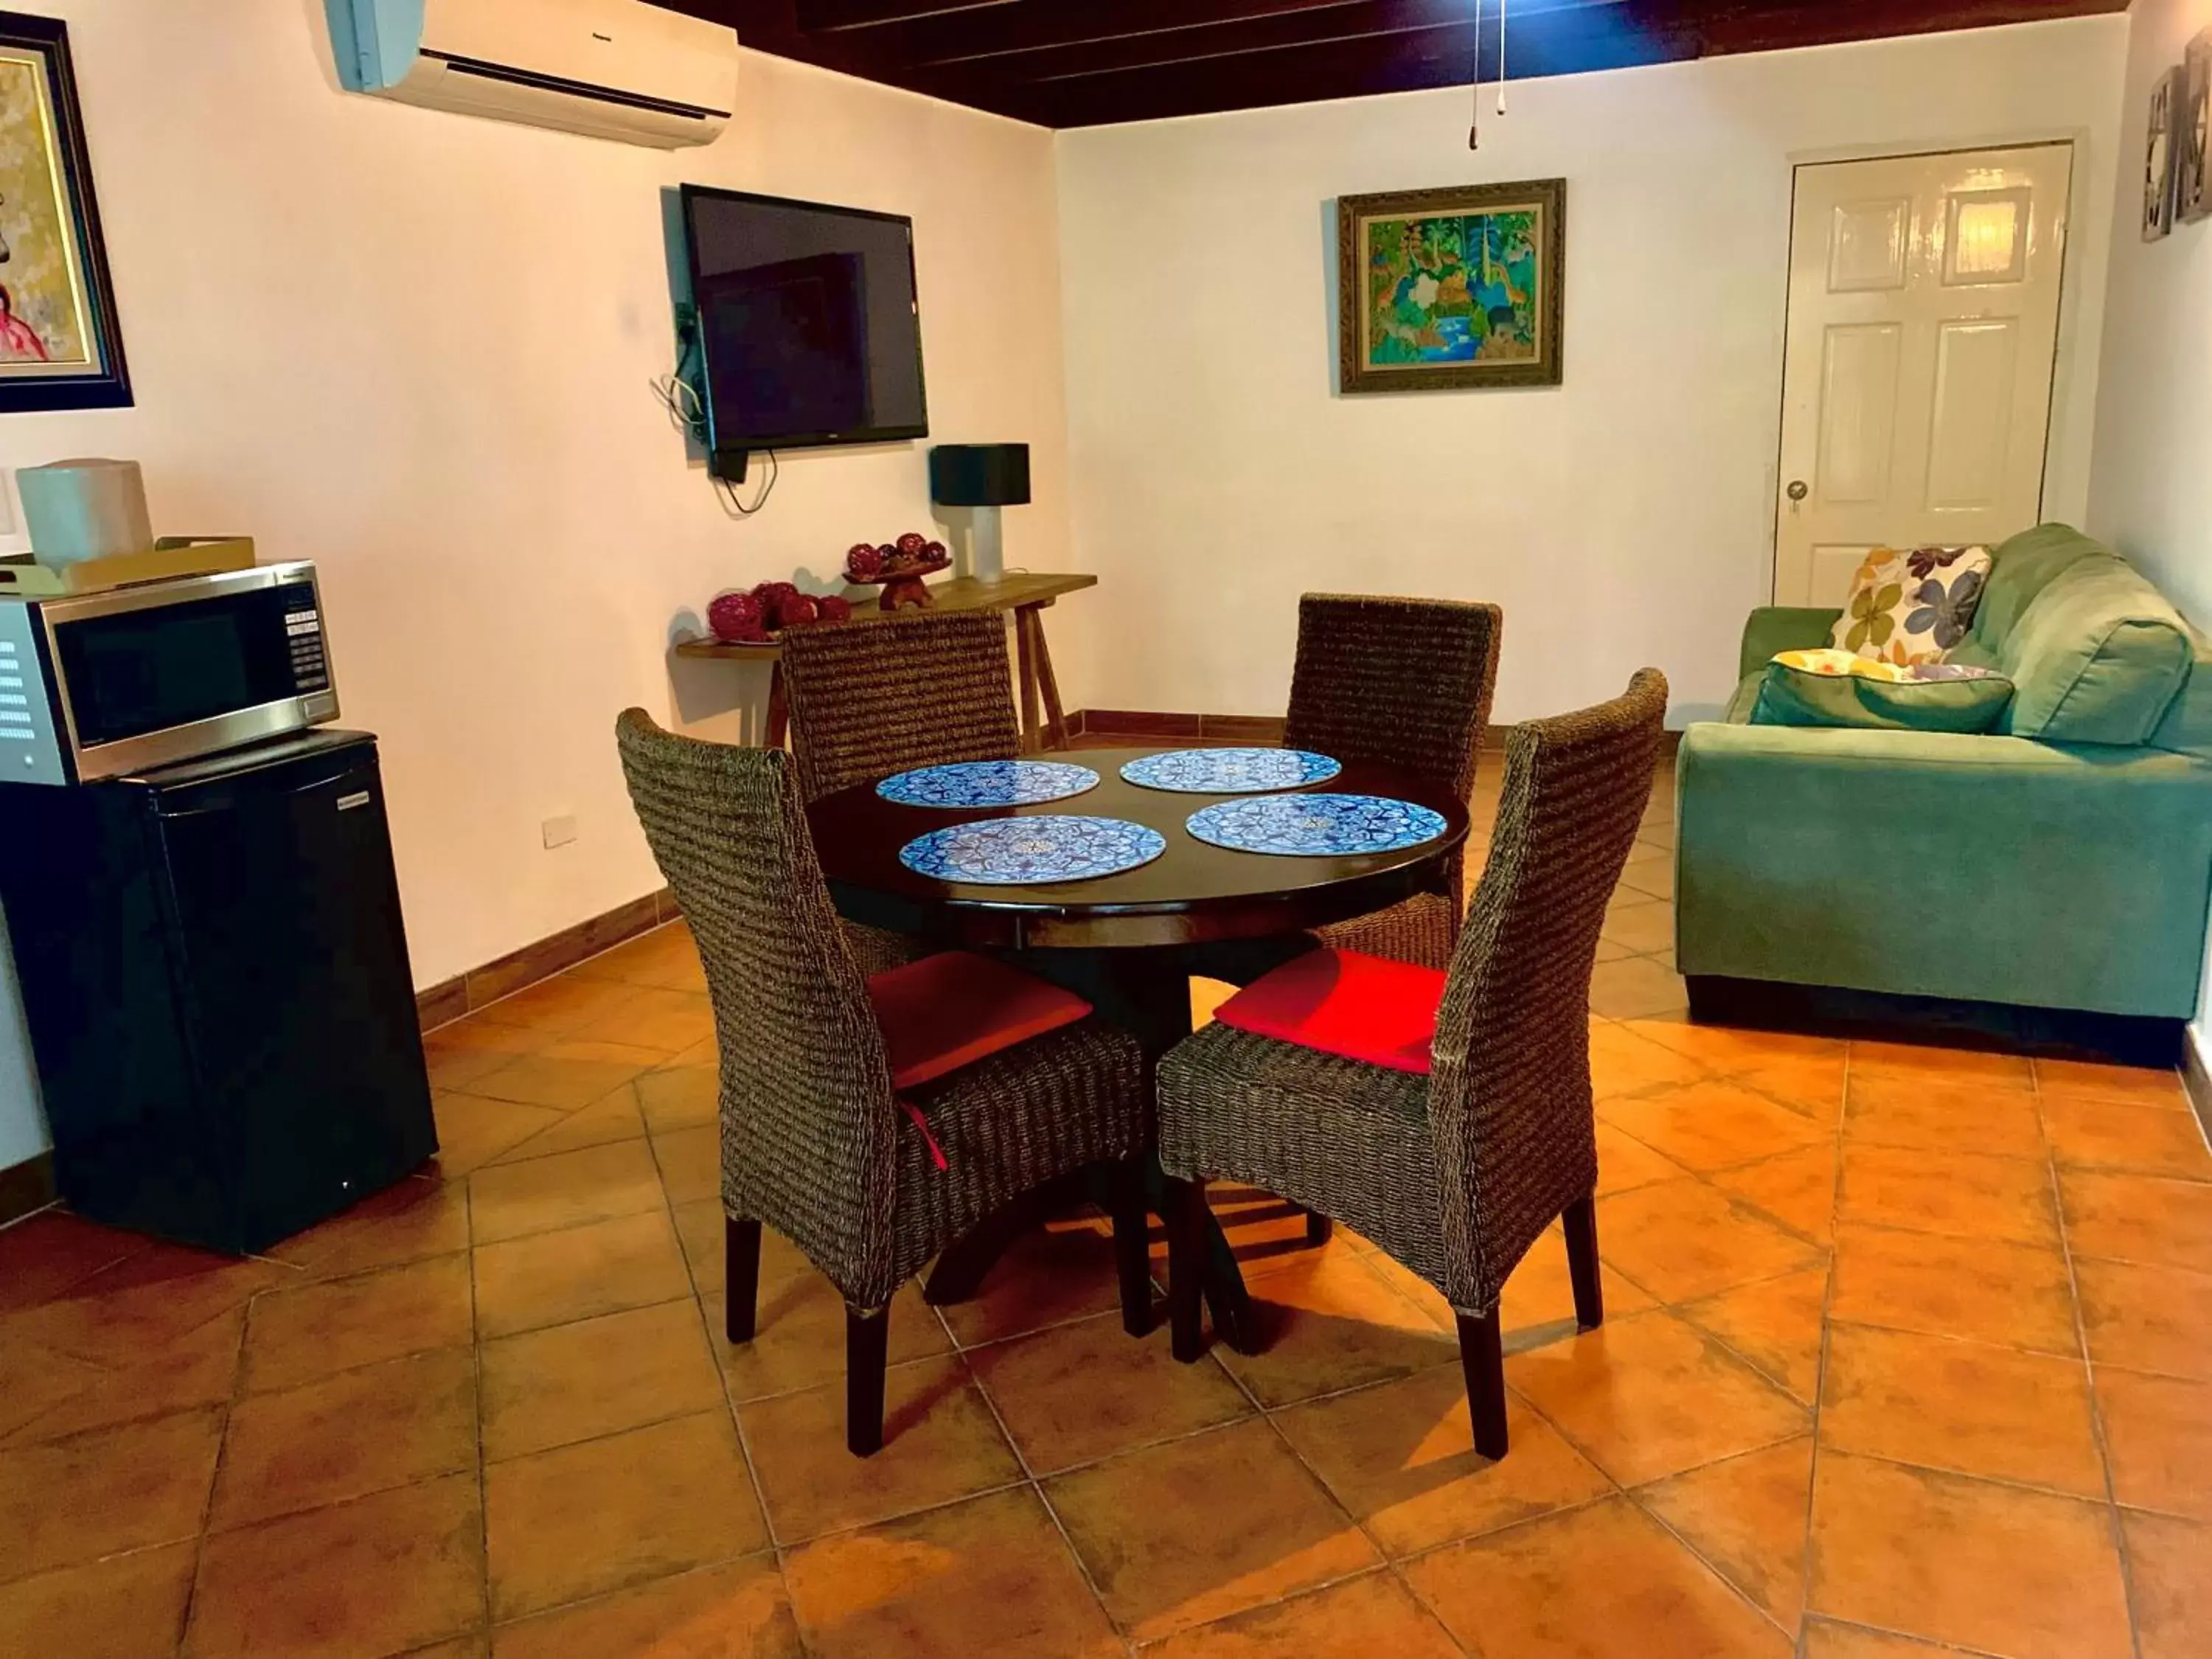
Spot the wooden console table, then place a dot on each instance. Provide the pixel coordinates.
(1024, 593)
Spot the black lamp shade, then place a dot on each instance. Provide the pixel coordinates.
(979, 475)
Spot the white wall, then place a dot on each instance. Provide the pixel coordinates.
(2151, 494)
(415, 347)
(1622, 519)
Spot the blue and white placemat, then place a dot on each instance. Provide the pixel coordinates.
(1230, 771)
(1316, 826)
(966, 785)
(1032, 851)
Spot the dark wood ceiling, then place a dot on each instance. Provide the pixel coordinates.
(1079, 63)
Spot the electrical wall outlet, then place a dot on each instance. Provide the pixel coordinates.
(560, 831)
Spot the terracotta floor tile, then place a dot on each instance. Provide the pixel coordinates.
(464, 1051)
(596, 1184)
(1401, 1457)
(1622, 1062)
(561, 1005)
(407, 1222)
(1961, 1195)
(798, 1332)
(381, 1575)
(2123, 1217)
(570, 1382)
(739, 1611)
(1798, 1189)
(35, 1381)
(599, 1124)
(1882, 1110)
(2158, 1438)
(45, 1255)
(1934, 1062)
(200, 1368)
(1373, 1613)
(1728, 1049)
(1683, 1239)
(1642, 926)
(2019, 1295)
(347, 1436)
(333, 1325)
(941, 1443)
(1712, 1125)
(1623, 1161)
(2146, 1319)
(1538, 1303)
(1653, 873)
(2027, 1574)
(610, 1513)
(690, 1163)
(1195, 1530)
(2171, 1563)
(670, 1021)
(1827, 1640)
(1600, 1583)
(1747, 1517)
(1811, 1084)
(1637, 987)
(567, 1074)
(548, 1279)
(2110, 1135)
(130, 1607)
(1775, 1325)
(1082, 1391)
(1330, 1321)
(111, 1490)
(1649, 1396)
(664, 957)
(2155, 1085)
(1967, 1406)
(989, 1576)
(678, 1096)
(122, 1314)
(699, 1227)
(473, 1132)
(1059, 1271)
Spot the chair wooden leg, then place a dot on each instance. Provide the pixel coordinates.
(1318, 1227)
(1482, 1357)
(1133, 1247)
(867, 1354)
(1186, 1267)
(741, 1264)
(1579, 1221)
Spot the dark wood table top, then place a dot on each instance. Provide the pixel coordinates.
(1014, 590)
(1191, 893)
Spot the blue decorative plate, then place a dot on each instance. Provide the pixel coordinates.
(1316, 826)
(968, 784)
(1031, 851)
(1230, 771)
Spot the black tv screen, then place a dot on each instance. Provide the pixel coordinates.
(808, 323)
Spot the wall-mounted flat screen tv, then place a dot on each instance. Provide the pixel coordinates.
(808, 323)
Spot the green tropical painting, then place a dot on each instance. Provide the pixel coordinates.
(1454, 288)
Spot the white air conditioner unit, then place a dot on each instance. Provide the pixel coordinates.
(613, 68)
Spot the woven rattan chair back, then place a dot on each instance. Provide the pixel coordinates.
(1510, 1097)
(926, 689)
(1404, 683)
(806, 1108)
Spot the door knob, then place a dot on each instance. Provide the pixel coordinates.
(1797, 490)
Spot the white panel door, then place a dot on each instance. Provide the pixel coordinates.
(1923, 318)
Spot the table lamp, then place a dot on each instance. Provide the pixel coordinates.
(986, 478)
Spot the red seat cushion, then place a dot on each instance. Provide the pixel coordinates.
(950, 1009)
(1343, 1003)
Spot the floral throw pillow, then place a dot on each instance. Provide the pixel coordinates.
(1907, 608)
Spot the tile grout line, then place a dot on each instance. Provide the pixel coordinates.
(214, 1476)
(483, 1476)
(1820, 1369)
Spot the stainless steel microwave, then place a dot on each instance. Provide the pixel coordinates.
(96, 685)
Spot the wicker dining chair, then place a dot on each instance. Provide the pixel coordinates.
(1455, 1173)
(1407, 683)
(921, 688)
(814, 1141)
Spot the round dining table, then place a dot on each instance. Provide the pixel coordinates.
(1127, 943)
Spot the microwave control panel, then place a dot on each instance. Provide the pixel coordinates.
(303, 632)
(30, 742)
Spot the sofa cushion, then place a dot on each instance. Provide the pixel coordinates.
(2096, 656)
(2020, 567)
(2186, 727)
(1913, 606)
(1835, 688)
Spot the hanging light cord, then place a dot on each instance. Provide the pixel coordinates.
(1475, 125)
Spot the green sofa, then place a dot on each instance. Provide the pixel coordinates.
(2063, 861)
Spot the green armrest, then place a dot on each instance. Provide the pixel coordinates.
(1941, 864)
(1774, 628)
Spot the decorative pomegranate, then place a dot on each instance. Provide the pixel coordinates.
(833, 608)
(890, 555)
(933, 552)
(735, 617)
(863, 563)
(771, 594)
(912, 544)
(796, 610)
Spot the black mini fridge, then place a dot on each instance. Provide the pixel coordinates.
(216, 981)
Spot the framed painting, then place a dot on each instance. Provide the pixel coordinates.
(2192, 143)
(60, 345)
(1454, 288)
(2167, 96)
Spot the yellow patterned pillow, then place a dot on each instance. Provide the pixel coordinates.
(1912, 607)
(1833, 661)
